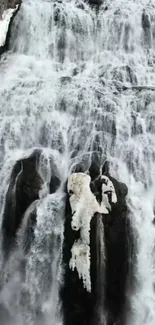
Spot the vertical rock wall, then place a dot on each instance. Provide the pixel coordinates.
(110, 264)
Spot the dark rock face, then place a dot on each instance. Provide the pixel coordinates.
(24, 188)
(95, 2)
(106, 303)
(117, 267)
(117, 232)
(77, 302)
(146, 25)
(118, 240)
(54, 184)
(97, 270)
(25, 184)
(55, 177)
(95, 166)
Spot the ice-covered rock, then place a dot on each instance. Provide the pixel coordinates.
(97, 250)
(83, 205)
(108, 192)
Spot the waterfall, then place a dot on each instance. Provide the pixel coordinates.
(77, 80)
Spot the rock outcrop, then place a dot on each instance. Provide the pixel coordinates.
(25, 188)
(25, 184)
(117, 235)
(110, 250)
(77, 301)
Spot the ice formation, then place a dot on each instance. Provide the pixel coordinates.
(108, 192)
(84, 205)
(4, 24)
(81, 261)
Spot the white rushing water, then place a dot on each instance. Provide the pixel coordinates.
(65, 86)
(4, 24)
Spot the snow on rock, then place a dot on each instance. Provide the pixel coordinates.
(4, 24)
(83, 205)
(108, 192)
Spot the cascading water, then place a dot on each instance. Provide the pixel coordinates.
(76, 81)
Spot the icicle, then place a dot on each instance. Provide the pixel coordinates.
(81, 261)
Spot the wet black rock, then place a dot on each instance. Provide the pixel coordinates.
(94, 168)
(76, 301)
(118, 238)
(95, 2)
(145, 20)
(65, 80)
(146, 25)
(25, 184)
(97, 270)
(54, 183)
(55, 177)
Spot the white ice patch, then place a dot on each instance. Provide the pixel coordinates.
(4, 24)
(84, 205)
(81, 261)
(108, 187)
